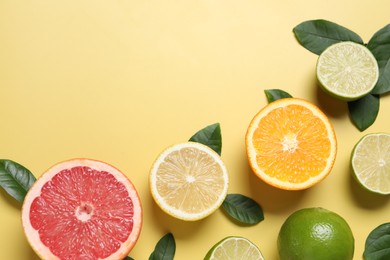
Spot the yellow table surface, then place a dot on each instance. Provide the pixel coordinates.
(120, 80)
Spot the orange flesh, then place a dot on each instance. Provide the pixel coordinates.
(291, 144)
(83, 213)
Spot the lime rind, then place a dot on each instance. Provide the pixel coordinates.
(370, 162)
(347, 70)
(315, 233)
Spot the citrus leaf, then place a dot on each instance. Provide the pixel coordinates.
(165, 248)
(243, 209)
(15, 179)
(128, 258)
(378, 243)
(275, 94)
(210, 136)
(379, 45)
(364, 111)
(317, 35)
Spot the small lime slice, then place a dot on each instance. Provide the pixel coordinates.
(234, 247)
(347, 70)
(371, 162)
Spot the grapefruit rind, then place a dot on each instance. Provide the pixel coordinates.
(174, 212)
(251, 151)
(33, 235)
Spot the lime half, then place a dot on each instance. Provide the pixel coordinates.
(234, 247)
(347, 70)
(371, 162)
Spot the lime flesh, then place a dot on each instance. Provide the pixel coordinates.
(347, 70)
(370, 161)
(234, 247)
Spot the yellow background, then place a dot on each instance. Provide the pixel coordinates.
(120, 80)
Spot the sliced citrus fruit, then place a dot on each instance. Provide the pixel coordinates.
(291, 144)
(189, 181)
(234, 247)
(347, 70)
(82, 209)
(371, 162)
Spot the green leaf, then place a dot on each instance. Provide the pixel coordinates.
(317, 35)
(364, 111)
(243, 209)
(275, 94)
(128, 258)
(210, 136)
(377, 245)
(165, 248)
(15, 179)
(379, 45)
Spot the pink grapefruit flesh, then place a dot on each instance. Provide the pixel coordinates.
(82, 209)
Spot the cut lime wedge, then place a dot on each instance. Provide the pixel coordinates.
(347, 70)
(371, 162)
(234, 247)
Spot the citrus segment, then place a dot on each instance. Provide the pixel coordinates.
(315, 233)
(189, 181)
(371, 162)
(291, 144)
(234, 247)
(347, 70)
(82, 209)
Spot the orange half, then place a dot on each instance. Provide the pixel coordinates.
(291, 144)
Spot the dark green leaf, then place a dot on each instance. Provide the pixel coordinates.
(165, 248)
(15, 179)
(210, 136)
(128, 258)
(377, 245)
(364, 111)
(243, 209)
(317, 35)
(379, 45)
(275, 94)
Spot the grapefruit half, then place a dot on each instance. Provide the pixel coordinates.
(82, 209)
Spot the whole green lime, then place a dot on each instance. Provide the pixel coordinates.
(315, 233)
